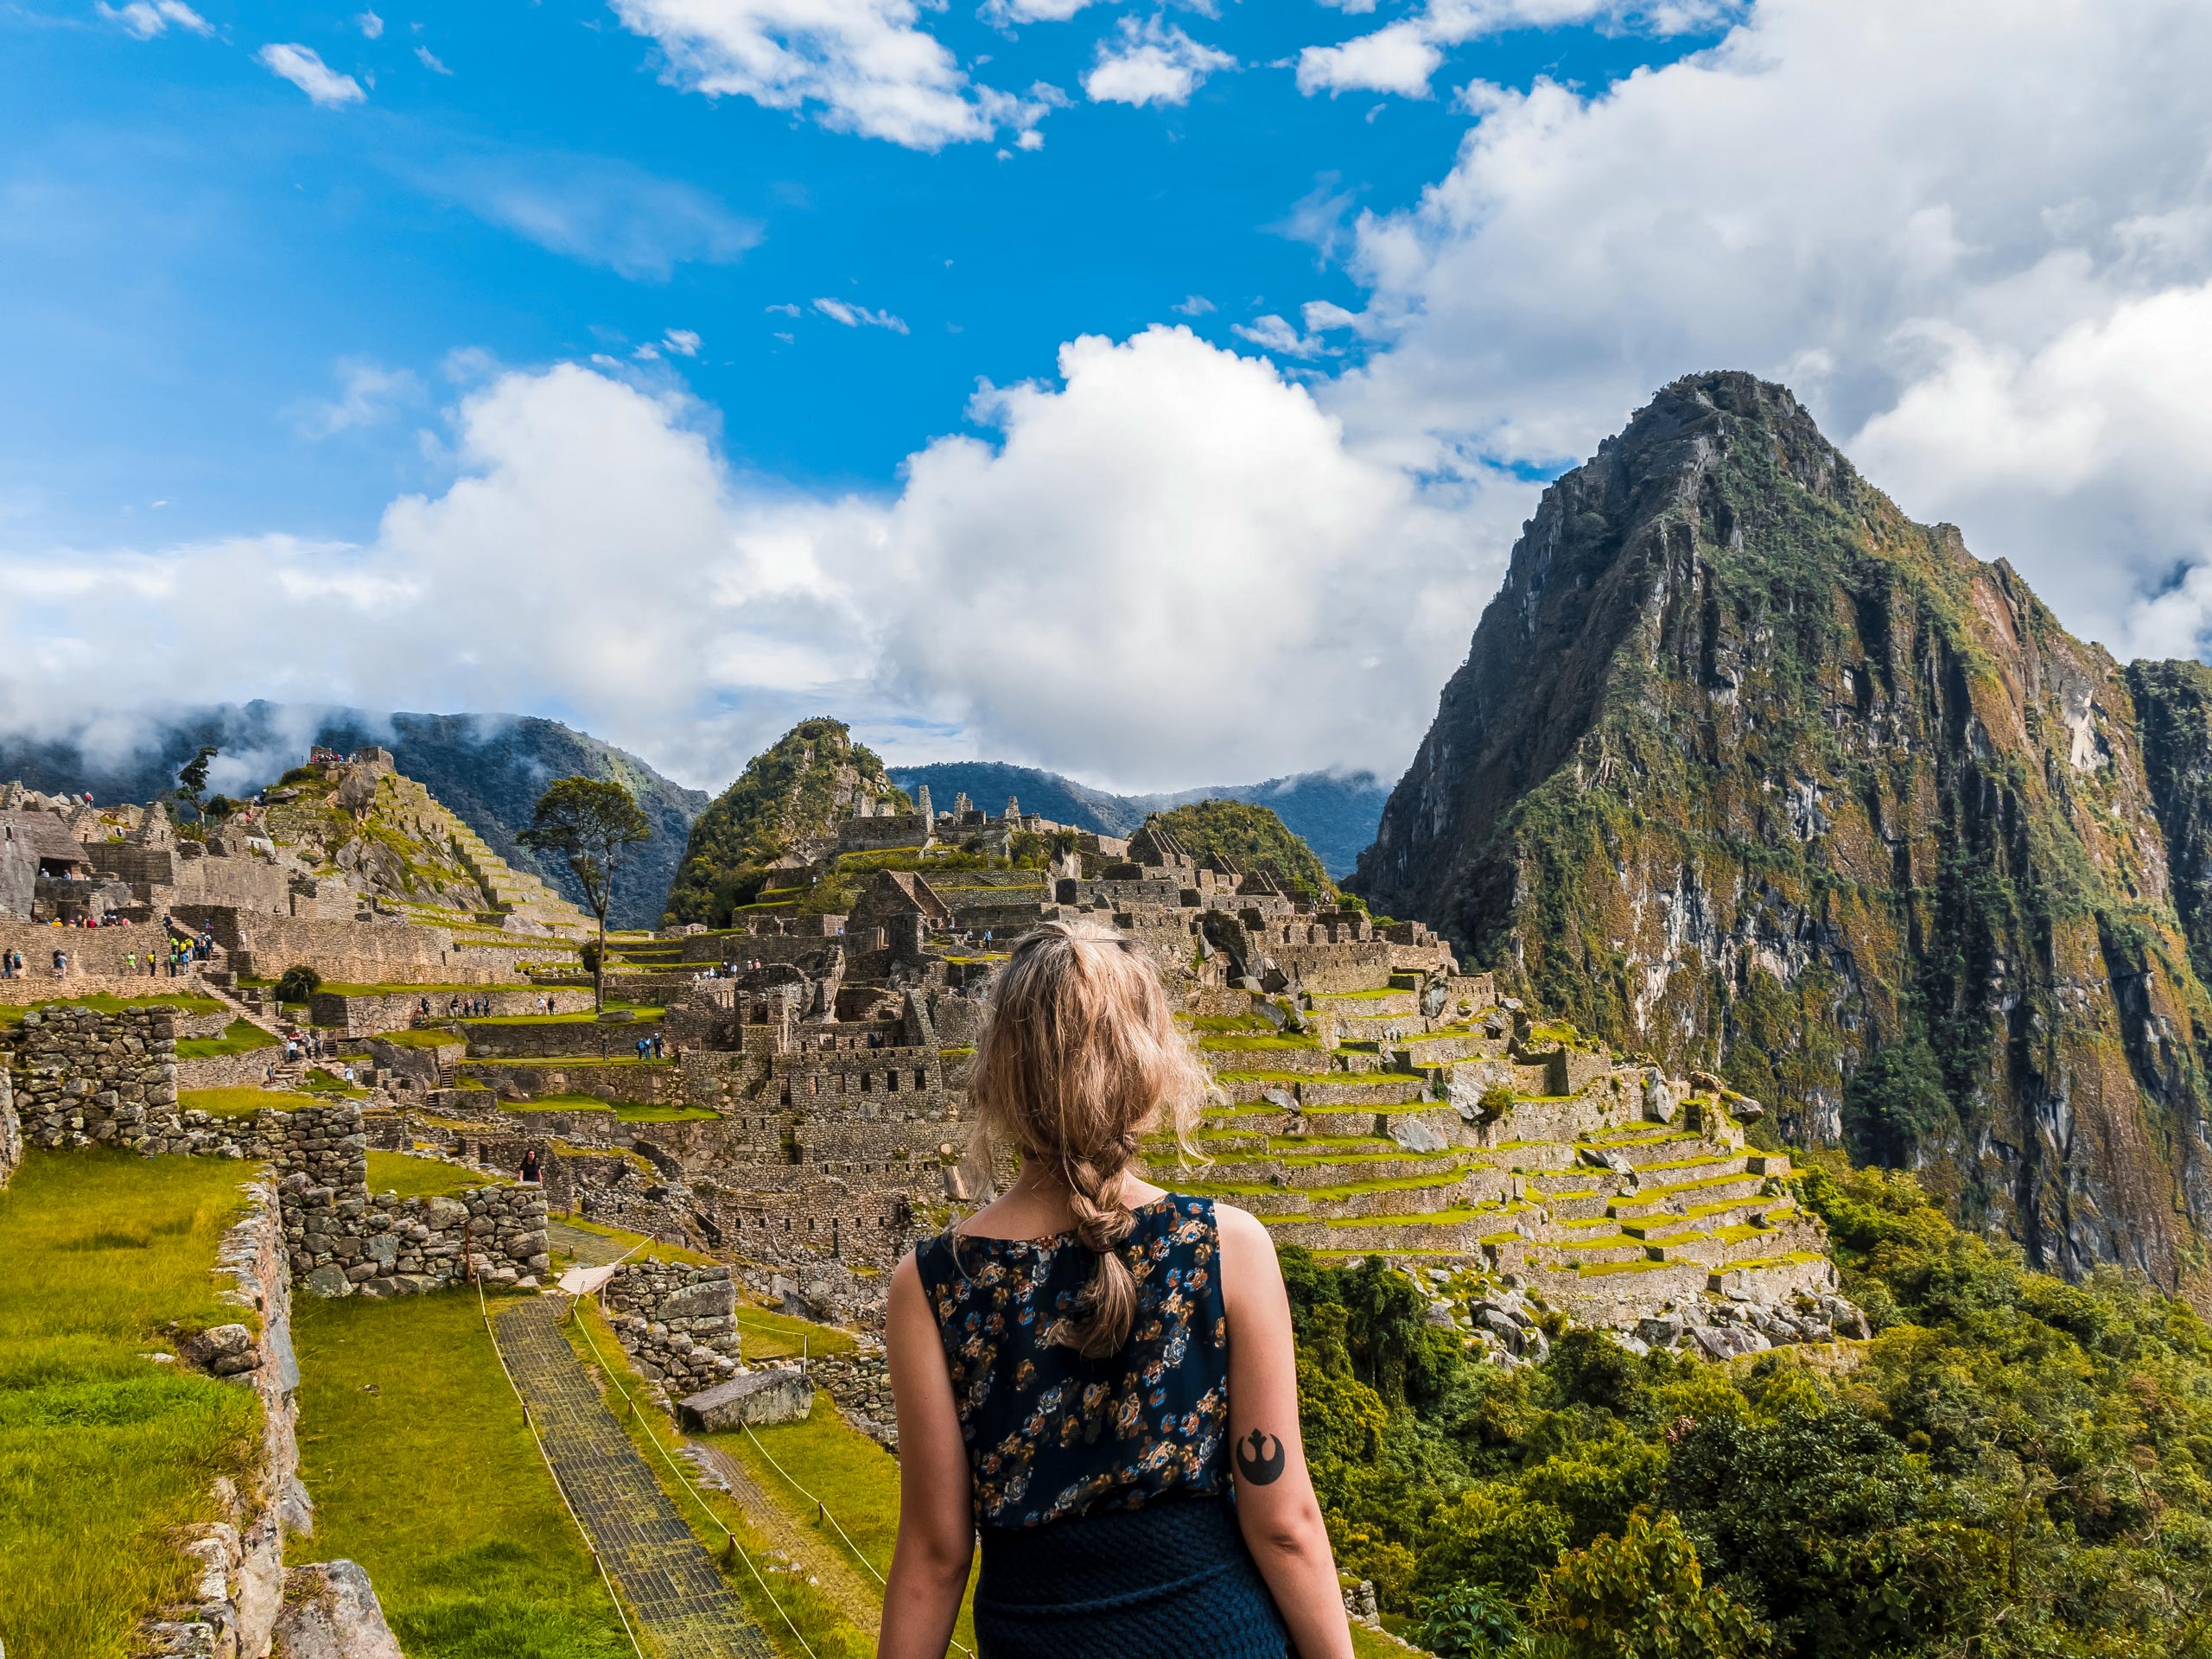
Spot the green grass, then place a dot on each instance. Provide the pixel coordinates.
(631, 1111)
(239, 1037)
(654, 1251)
(769, 1335)
(183, 1002)
(560, 1103)
(424, 1472)
(422, 1178)
(238, 1103)
(103, 1451)
(329, 1083)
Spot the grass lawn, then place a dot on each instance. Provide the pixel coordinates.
(324, 1082)
(769, 1335)
(103, 1451)
(238, 1103)
(654, 1250)
(423, 1178)
(630, 1111)
(433, 1482)
(239, 1037)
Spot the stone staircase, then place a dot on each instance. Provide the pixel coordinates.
(1357, 1124)
(507, 892)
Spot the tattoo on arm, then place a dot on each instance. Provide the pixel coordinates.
(1259, 1465)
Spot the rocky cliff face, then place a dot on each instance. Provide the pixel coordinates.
(1747, 770)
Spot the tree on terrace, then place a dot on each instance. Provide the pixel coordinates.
(594, 825)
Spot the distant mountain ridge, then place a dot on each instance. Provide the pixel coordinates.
(1335, 813)
(487, 769)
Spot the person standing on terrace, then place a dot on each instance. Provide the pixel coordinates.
(1095, 1375)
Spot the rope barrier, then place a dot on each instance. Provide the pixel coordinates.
(485, 1313)
(731, 1545)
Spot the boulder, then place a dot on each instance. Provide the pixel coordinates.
(331, 1612)
(1727, 1341)
(1659, 1103)
(762, 1396)
(330, 1280)
(1415, 1135)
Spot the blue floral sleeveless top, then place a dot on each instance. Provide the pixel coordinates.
(1052, 1435)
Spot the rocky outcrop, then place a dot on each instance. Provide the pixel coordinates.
(331, 1612)
(1746, 771)
(776, 1395)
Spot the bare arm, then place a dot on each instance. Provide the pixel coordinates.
(1275, 1496)
(937, 1533)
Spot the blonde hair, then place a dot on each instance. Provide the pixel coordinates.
(1080, 1058)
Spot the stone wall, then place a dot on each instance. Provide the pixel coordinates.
(94, 952)
(677, 1323)
(360, 1016)
(84, 1078)
(651, 1083)
(554, 1040)
(11, 1134)
(246, 1071)
(348, 1241)
(861, 1384)
(354, 953)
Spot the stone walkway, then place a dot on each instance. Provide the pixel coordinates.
(780, 1517)
(683, 1609)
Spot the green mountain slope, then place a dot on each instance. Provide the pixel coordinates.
(788, 800)
(487, 769)
(1746, 769)
(1252, 836)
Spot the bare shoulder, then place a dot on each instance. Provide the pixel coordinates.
(1247, 1254)
(1241, 1230)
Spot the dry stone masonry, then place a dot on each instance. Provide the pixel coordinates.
(677, 1323)
(85, 1077)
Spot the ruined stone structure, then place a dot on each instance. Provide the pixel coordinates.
(678, 1324)
(85, 1077)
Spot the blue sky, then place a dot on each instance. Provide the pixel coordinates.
(204, 253)
(681, 367)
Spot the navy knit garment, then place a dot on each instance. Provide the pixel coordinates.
(1052, 1435)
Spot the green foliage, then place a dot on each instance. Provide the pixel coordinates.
(1896, 1102)
(1254, 838)
(192, 776)
(297, 983)
(590, 825)
(297, 776)
(793, 791)
(1471, 1621)
(1641, 1596)
(2016, 1468)
(1496, 1102)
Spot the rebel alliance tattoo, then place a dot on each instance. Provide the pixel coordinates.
(1259, 1465)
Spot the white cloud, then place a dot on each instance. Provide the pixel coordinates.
(600, 211)
(431, 62)
(865, 65)
(369, 394)
(1007, 13)
(1154, 62)
(370, 24)
(1975, 237)
(303, 66)
(1193, 305)
(1400, 57)
(1397, 59)
(1179, 563)
(683, 341)
(1273, 333)
(147, 18)
(784, 308)
(859, 316)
